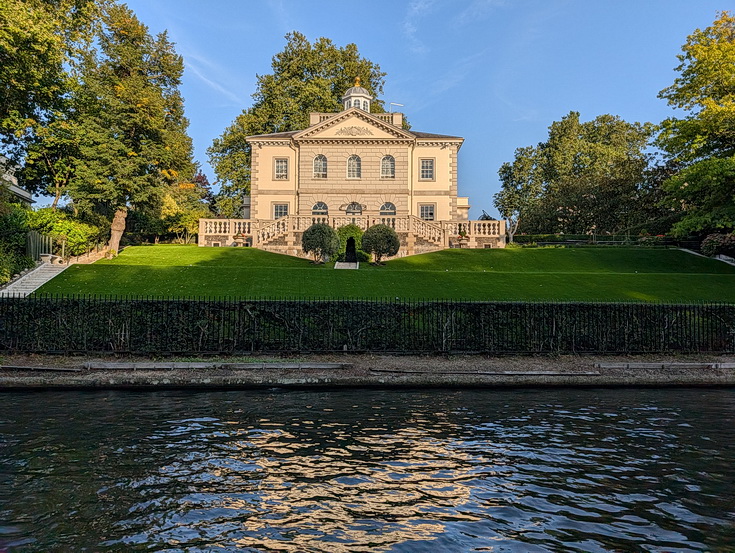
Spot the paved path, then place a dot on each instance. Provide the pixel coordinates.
(32, 281)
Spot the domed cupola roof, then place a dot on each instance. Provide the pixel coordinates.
(357, 97)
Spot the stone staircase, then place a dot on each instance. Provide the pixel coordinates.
(32, 281)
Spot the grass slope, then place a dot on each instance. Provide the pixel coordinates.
(584, 274)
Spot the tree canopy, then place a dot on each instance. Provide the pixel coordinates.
(703, 142)
(585, 178)
(38, 39)
(90, 100)
(306, 78)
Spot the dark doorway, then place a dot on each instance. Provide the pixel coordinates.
(350, 251)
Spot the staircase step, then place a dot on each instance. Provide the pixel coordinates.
(32, 281)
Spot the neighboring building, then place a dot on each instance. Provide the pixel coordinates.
(7, 178)
(354, 167)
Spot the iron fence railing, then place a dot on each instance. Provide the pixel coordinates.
(87, 324)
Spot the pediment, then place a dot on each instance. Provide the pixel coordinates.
(353, 124)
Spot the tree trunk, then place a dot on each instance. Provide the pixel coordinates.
(57, 197)
(512, 227)
(117, 229)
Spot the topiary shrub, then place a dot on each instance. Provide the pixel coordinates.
(719, 243)
(345, 233)
(381, 241)
(321, 241)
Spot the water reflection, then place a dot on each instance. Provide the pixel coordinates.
(532, 471)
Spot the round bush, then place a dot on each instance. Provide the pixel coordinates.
(321, 241)
(381, 241)
(719, 243)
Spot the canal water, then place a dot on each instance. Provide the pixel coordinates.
(553, 470)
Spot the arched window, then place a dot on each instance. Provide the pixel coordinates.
(320, 208)
(353, 167)
(365, 105)
(320, 167)
(388, 208)
(354, 209)
(388, 167)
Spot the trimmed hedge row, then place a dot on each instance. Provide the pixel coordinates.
(158, 326)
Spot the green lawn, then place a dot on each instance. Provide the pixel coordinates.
(585, 274)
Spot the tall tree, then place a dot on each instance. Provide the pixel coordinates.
(585, 178)
(131, 129)
(522, 188)
(306, 78)
(703, 141)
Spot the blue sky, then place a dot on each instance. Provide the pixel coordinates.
(496, 72)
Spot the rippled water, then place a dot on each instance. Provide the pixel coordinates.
(502, 471)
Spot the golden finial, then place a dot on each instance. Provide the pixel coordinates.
(357, 81)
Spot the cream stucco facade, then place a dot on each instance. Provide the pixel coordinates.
(354, 167)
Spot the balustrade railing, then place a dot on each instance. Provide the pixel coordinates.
(428, 230)
(270, 230)
(264, 231)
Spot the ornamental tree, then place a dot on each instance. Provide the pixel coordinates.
(381, 241)
(321, 241)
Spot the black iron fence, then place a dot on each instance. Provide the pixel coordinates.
(86, 324)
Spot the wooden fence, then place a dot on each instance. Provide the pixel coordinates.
(37, 244)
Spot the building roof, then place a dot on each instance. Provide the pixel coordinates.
(419, 134)
(356, 90)
(285, 134)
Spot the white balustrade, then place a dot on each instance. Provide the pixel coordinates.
(263, 231)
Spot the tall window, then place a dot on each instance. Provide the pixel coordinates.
(353, 167)
(427, 169)
(426, 212)
(281, 169)
(388, 208)
(364, 105)
(388, 167)
(320, 167)
(280, 210)
(354, 209)
(320, 208)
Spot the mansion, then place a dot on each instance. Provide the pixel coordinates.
(354, 167)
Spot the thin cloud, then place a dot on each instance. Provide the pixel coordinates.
(416, 10)
(477, 10)
(212, 84)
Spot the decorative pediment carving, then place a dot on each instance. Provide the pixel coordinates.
(354, 130)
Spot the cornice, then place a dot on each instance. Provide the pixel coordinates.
(355, 140)
(440, 143)
(352, 112)
(271, 142)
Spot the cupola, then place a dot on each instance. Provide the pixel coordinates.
(357, 97)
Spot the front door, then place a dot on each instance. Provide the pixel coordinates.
(351, 251)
